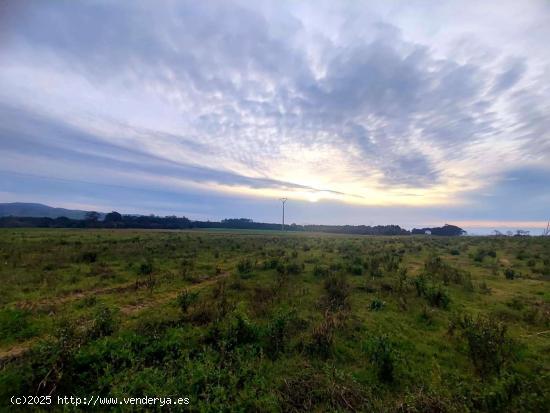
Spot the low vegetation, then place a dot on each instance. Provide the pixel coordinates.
(263, 321)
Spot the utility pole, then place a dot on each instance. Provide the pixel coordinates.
(547, 231)
(283, 200)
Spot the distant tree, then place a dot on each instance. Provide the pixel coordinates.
(113, 217)
(446, 230)
(92, 216)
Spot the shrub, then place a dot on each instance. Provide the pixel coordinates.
(337, 292)
(356, 269)
(241, 331)
(293, 268)
(103, 323)
(14, 325)
(202, 314)
(320, 270)
(271, 263)
(145, 268)
(437, 296)
(373, 266)
(377, 305)
(278, 332)
(88, 257)
(510, 274)
(383, 356)
(330, 390)
(420, 285)
(244, 266)
(489, 346)
(185, 299)
(322, 337)
(426, 315)
(186, 266)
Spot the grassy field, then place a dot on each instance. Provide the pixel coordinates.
(265, 321)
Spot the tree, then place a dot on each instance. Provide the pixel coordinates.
(113, 217)
(92, 216)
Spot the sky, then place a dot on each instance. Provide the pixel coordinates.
(414, 113)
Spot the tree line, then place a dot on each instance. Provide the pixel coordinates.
(117, 220)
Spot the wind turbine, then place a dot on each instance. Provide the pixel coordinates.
(283, 200)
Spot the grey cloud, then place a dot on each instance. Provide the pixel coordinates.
(510, 77)
(55, 141)
(259, 90)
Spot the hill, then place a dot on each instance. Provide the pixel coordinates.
(23, 209)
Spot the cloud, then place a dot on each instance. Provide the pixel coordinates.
(359, 103)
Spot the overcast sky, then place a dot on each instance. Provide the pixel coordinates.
(374, 112)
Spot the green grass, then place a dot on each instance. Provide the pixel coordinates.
(272, 321)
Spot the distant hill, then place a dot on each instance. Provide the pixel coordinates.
(23, 209)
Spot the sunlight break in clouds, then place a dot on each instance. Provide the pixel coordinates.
(416, 105)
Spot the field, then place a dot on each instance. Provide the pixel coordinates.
(265, 321)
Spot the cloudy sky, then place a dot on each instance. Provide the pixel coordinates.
(360, 112)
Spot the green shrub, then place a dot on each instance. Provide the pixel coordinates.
(321, 270)
(271, 263)
(15, 325)
(88, 257)
(277, 333)
(437, 296)
(185, 299)
(377, 305)
(383, 356)
(145, 268)
(186, 267)
(103, 323)
(244, 267)
(356, 269)
(489, 346)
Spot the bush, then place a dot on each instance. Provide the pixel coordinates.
(437, 296)
(185, 299)
(244, 268)
(337, 292)
(356, 269)
(103, 323)
(186, 266)
(271, 264)
(145, 268)
(420, 285)
(328, 390)
(510, 274)
(293, 268)
(278, 332)
(241, 331)
(88, 257)
(383, 356)
(14, 325)
(321, 270)
(322, 337)
(377, 305)
(489, 346)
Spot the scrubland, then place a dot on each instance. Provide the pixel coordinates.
(268, 321)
